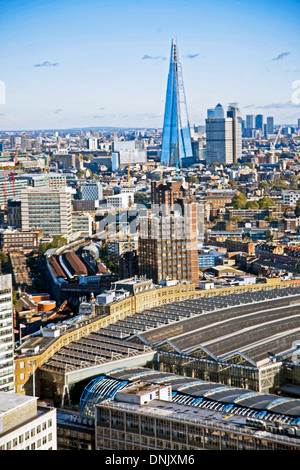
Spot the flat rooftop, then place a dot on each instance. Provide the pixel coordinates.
(13, 401)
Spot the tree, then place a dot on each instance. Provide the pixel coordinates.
(3, 259)
(239, 201)
(279, 184)
(269, 236)
(80, 173)
(297, 209)
(142, 198)
(266, 202)
(252, 205)
(263, 185)
(193, 179)
(57, 242)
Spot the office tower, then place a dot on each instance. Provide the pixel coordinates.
(259, 122)
(92, 143)
(249, 121)
(234, 113)
(92, 191)
(298, 123)
(49, 209)
(219, 112)
(25, 425)
(6, 335)
(167, 245)
(219, 140)
(270, 125)
(165, 194)
(176, 140)
(8, 189)
(216, 113)
(125, 152)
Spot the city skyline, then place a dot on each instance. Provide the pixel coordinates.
(91, 64)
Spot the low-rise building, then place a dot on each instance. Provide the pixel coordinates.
(20, 240)
(25, 425)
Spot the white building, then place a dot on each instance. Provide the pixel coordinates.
(49, 209)
(120, 201)
(82, 222)
(290, 198)
(128, 151)
(25, 425)
(92, 143)
(6, 335)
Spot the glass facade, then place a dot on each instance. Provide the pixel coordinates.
(176, 141)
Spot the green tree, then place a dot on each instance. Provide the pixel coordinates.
(252, 205)
(193, 179)
(279, 185)
(80, 173)
(297, 209)
(266, 202)
(57, 242)
(3, 259)
(239, 201)
(142, 198)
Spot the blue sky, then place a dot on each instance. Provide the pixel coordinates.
(105, 63)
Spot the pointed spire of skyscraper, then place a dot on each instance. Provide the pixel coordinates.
(176, 141)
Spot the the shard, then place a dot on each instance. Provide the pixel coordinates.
(176, 141)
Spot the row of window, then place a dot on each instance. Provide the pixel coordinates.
(17, 441)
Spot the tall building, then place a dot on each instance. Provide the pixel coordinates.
(259, 122)
(270, 125)
(233, 112)
(6, 335)
(176, 141)
(167, 245)
(249, 121)
(8, 189)
(164, 195)
(48, 209)
(216, 113)
(224, 136)
(219, 141)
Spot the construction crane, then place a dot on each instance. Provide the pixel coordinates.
(272, 146)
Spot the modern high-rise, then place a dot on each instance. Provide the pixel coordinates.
(233, 112)
(167, 245)
(48, 209)
(270, 125)
(219, 144)
(217, 112)
(249, 121)
(6, 335)
(176, 141)
(224, 137)
(259, 122)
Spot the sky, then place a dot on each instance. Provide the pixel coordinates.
(97, 63)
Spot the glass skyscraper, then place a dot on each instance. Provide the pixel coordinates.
(176, 141)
